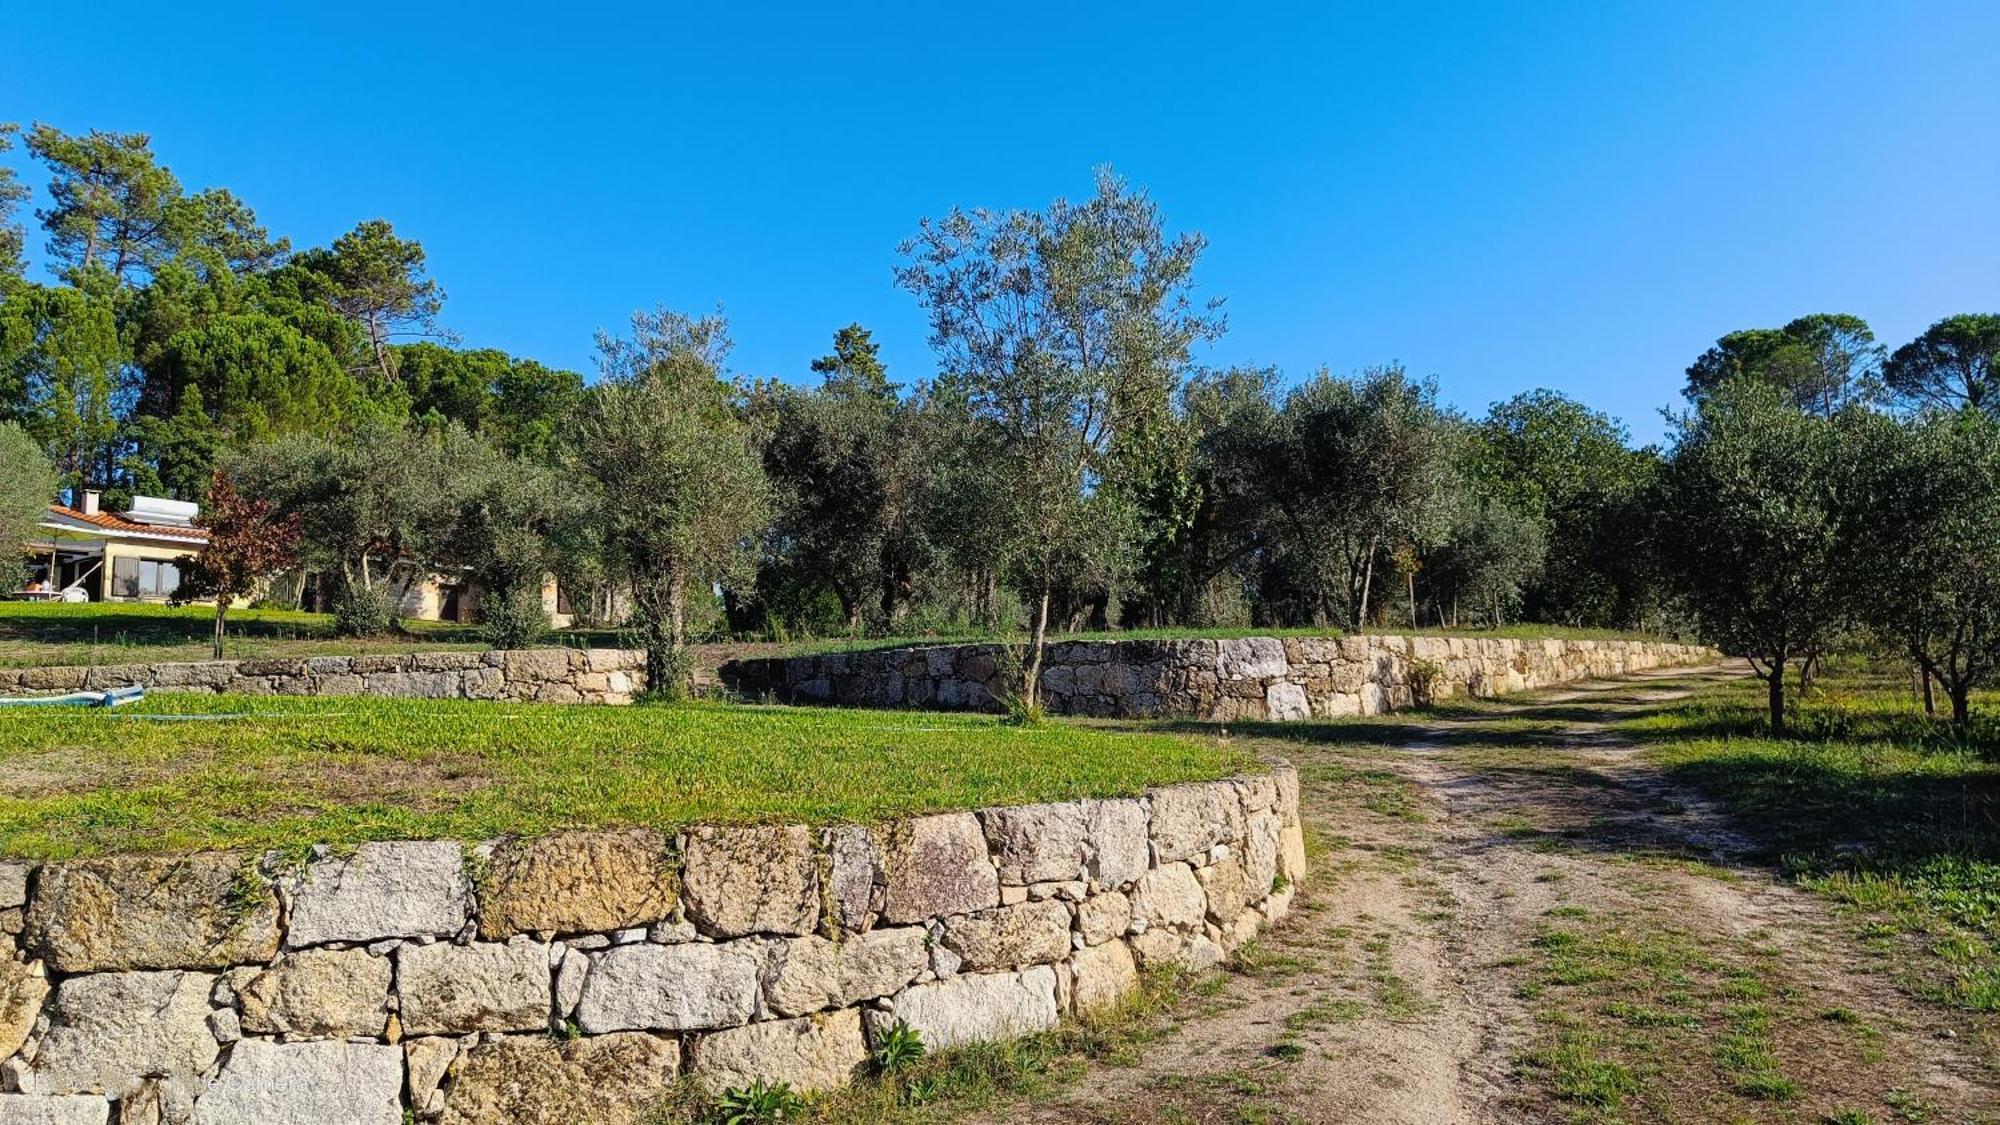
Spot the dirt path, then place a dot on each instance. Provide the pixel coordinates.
(1514, 918)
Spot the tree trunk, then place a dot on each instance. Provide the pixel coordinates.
(1775, 682)
(1031, 676)
(664, 627)
(221, 611)
(1961, 703)
(1411, 578)
(677, 608)
(1367, 582)
(1929, 689)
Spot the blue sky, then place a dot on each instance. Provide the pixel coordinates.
(1580, 196)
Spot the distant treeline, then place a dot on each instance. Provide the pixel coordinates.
(1068, 464)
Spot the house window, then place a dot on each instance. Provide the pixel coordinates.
(143, 578)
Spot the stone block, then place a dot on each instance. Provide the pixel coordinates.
(314, 1083)
(802, 976)
(742, 881)
(1170, 896)
(383, 890)
(670, 987)
(536, 1080)
(1119, 852)
(425, 1063)
(1190, 819)
(274, 667)
(14, 884)
(109, 1031)
(973, 1008)
(535, 665)
(1285, 781)
(318, 993)
(485, 986)
(576, 882)
(880, 962)
(1251, 658)
(810, 974)
(938, 865)
(1102, 976)
(1038, 843)
(1261, 832)
(1028, 933)
(208, 910)
(1292, 853)
(1222, 883)
(66, 678)
(811, 1053)
(1285, 702)
(1104, 916)
(39, 1109)
(23, 987)
(1160, 948)
(854, 872)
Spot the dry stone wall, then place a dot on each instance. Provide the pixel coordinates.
(572, 978)
(1275, 678)
(543, 675)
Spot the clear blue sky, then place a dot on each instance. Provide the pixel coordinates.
(1579, 196)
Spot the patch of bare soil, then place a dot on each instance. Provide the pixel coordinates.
(1514, 918)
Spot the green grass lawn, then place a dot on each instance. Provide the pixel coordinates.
(1871, 804)
(36, 634)
(812, 645)
(290, 772)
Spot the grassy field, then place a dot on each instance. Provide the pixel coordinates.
(813, 645)
(34, 634)
(179, 772)
(1868, 803)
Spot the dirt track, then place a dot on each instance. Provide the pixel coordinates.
(1410, 986)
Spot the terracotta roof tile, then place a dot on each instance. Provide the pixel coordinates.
(111, 522)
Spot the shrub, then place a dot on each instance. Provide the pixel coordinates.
(363, 612)
(514, 619)
(677, 683)
(1425, 676)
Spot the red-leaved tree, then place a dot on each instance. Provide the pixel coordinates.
(247, 543)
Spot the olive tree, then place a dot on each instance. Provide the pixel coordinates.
(369, 504)
(852, 486)
(1758, 509)
(504, 523)
(1053, 327)
(1931, 547)
(1358, 467)
(681, 494)
(27, 485)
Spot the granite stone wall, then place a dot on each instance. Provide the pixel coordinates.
(543, 675)
(1276, 678)
(572, 978)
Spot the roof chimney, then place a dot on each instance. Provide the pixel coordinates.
(90, 496)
